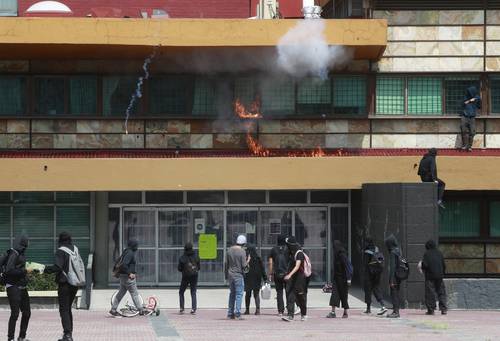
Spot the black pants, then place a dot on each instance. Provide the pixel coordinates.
(396, 300)
(340, 292)
(441, 186)
(296, 293)
(280, 286)
(433, 287)
(372, 286)
(19, 300)
(66, 294)
(248, 297)
(192, 282)
(468, 129)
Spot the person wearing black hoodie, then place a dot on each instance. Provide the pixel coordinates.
(128, 282)
(189, 266)
(66, 293)
(471, 105)
(433, 267)
(341, 279)
(394, 253)
(428, 173)
(372, 274)
(253, 280)
(16, 281)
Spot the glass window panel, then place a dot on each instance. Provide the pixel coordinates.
(329, 197)
(205, 197)
(339, 221)
(246, 197)
(390, 95)
(146, 265)
(168, 266)
(12, 95)
(495, 219)
(83, 95)
(455, 88)
(424, 96)
(8, 8)
(460, 219)
(5, 197)
(275, 223)
(310, 227)
(41, 250)
(212, 271)
(117, 93)
(244, 90)
(204, 97)
(314, 96)
(114, 240)
(73, 197)
(35, 221)
(319, 261)
(33, 197)
(74, 220)
(164, 197)
(125, 197)
(241, 222)
(208, 222)
(287, 197)
(170, 94)
(4, 245)
(4, 222)
(83, 247)
(278, 97)
(495, 94)
(49, 94)
(173, 228)
(349, 95)
(141, 226)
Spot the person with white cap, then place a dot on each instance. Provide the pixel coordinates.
(235, 267)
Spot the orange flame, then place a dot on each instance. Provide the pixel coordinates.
(255, 147)
(318, 152)
(242, 112)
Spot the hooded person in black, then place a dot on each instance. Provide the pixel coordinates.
(127, 274)
(189, 266)
(394, 253)
(278, 267)
(433, 267)
(471, 105)
(341, 279)
(296, 281)
(253, 279)
(16, 281)
(427, 170)
(372, 274)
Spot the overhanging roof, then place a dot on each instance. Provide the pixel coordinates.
(33, 38)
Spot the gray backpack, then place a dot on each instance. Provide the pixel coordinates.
(76, 271)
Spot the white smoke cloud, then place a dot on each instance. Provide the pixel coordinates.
(304, 51)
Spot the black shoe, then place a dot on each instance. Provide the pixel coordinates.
(193, 312)
(288, 318)
(367, 311)
(257, 312)
(344, 316)
(331, 315)
(247, 312)
(114, 313)
(429, 312)
(393, 315)
(66, 337)
(230, 317)
(22, 339)
(444, 312)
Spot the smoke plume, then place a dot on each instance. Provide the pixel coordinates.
(304, 51)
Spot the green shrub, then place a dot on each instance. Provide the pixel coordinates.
(39, 282)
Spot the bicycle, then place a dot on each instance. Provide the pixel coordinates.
(130, 310)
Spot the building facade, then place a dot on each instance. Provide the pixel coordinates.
(186, 164)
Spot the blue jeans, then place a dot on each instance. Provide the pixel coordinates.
(236, 286)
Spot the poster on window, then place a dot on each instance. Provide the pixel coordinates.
(274, 226)
(249, 228)
(207, 246)
(199, 225)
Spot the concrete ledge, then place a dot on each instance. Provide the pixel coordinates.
(41, 299)
(473, 293)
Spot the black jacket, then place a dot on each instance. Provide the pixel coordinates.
(61, 264)
(189, 256)
(433, 264)
(256, 274)
(340, 262)
(128, 258)
(15, 267)
(394, 253)
(470, 109)
(427, 168)
(368, 252)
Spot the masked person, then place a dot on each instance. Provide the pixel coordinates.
(471, 105)
(296, 281)
(278, 268)
(433, 267)
(373, 268)
(189, 266)
(395, 284)
(342, 276)
(427, 170)
(128, 281)
(16, 281)
(253, 280)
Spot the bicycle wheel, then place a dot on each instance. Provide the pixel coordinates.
(129, 311)
(113, 298)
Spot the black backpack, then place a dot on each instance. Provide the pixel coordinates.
(280, 263)
(190, 268)
(376, 264)
(402, 268)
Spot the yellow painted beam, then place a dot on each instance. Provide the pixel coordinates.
(90, 36)
(460, 173)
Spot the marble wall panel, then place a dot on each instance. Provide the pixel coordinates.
(269, 126)
(337, 126)
(431, 64)
(472, 32)
(493, 250)
(201, 126)
(394, 141)
(132, 141)
(492, 32)
(168, 126)
(432, 17)
(201, 141)
(458, 266)
(230, 141)
(493, 17)
(98, 141)
(451, 141)
(15, 141)
(359, 126)
(272, 141)
(462, 250)
(347, 141)
(299, 141)
(109, 126)
(234, 126)
(3, 141)
(42, 141)
(64, 141)
(449, 126)
(302, 126)
(493, 140)
(18, 126)
(3, 126)
(493, 64)
(53, 126)
(461, 17)
(493, 48)
(493, 266)
(427, 141)
(492, 125)
(407, 48)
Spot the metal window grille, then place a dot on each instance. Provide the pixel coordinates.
(278, 96)
(455, 88)
(12, 95)
(49, 94)
(169, 94)
(460, 219)
(495, 94)
(117, 92)
(204, 96)
(349, 95)
(390, 95)
(425, 96)
(314, 96)
(83, 95)
(244, 90)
